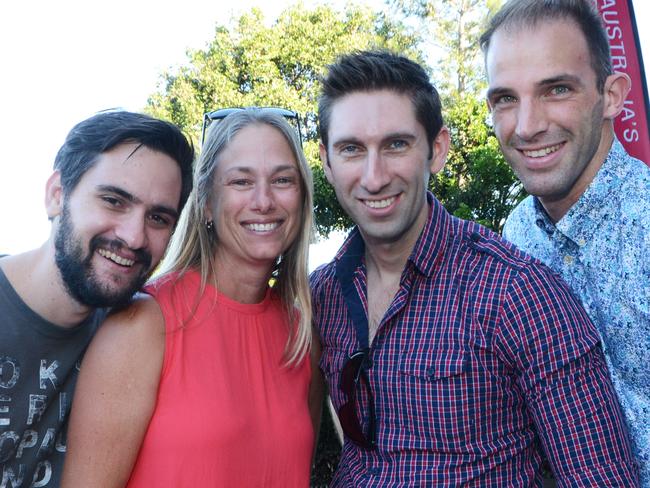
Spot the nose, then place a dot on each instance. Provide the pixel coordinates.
(375, 175)
(263, 200)
(531, 119)
(132, 231)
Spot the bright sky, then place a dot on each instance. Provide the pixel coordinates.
(64, 60)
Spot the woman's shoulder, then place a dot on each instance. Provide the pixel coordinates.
(140, 321)
(175, 287)
(169, 280)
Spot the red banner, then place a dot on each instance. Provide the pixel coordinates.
(633, 125)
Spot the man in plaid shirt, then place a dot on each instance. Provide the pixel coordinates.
(452, 358)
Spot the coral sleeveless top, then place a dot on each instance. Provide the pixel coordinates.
(228, 412)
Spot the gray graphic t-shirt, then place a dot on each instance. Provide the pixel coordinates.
(39, 363)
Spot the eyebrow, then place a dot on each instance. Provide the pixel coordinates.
(388, 137)
(399, 135)
(135, 200)
(497, 91)
(561, 78)
(276, 169)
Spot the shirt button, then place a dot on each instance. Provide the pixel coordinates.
(568, 259)
(581, 242)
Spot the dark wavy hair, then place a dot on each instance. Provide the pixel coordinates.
(106, 130)
(380, 70)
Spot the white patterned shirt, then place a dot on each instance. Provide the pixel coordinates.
(601, 248)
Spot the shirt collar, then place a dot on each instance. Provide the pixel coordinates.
(431, 245)
(428, 248)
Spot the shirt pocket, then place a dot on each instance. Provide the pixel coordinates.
(435, 403)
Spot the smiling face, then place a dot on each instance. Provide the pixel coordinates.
(377, 160)
(257, 199)
(114, 226)
(548, 114)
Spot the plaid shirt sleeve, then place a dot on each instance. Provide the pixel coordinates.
(563, 376)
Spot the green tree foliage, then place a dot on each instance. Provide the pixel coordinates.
(252, 63)
(476, 183)
(453, 29)
(259, 63)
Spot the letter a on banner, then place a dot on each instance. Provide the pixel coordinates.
(632, 126)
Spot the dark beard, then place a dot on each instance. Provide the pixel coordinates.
(77, 273)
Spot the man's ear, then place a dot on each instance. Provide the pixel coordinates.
(617, 87)
(53, 195)
(322, 150)
(440, 148)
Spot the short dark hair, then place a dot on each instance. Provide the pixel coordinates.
(529, 13)
(106, 130)
(380, 70)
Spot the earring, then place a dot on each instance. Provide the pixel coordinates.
(209, 225)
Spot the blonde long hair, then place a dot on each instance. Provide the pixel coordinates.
(193, 245)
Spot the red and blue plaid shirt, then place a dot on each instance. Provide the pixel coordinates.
(483, 366)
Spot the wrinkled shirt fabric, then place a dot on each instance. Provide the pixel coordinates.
(483, 364)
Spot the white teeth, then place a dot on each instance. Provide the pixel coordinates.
(542, 152)
(262, 227)
(379, 203)
(115, 258)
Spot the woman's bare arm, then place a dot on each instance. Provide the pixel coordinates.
(115, 397)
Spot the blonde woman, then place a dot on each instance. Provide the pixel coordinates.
(207, 379)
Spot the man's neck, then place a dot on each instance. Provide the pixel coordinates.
(385, 263)
(558, 208)
(389, 258)
(36, 279)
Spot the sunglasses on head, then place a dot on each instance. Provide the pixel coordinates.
(216, 115)
(353, 374)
